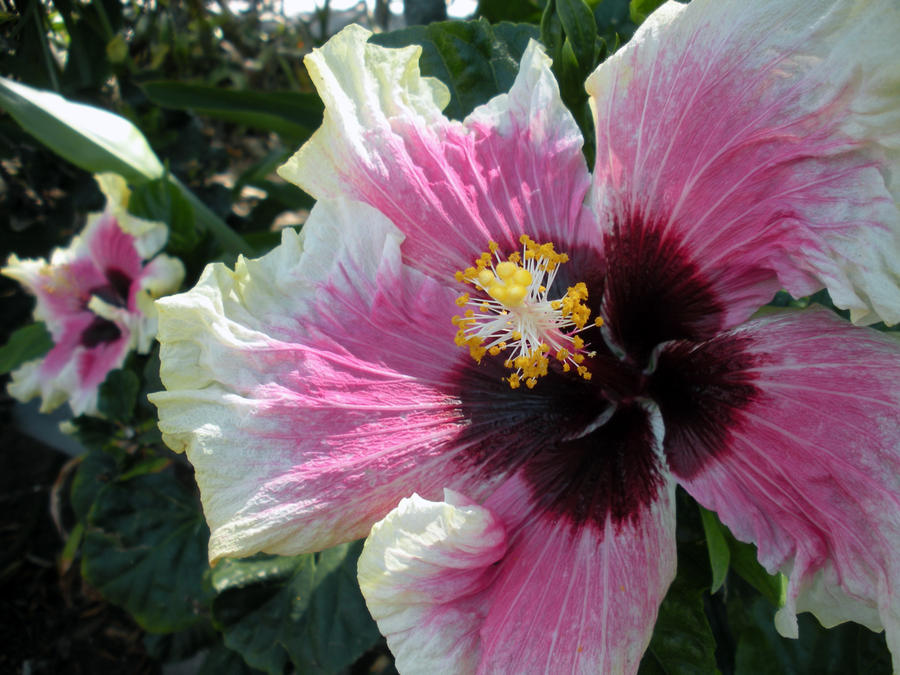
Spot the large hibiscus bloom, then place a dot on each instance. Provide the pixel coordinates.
(96, 298)
(423, 336)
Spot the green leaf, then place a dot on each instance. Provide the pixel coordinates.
(222, 661)
(292, 115)
(162, 200)
(581, 32)
(639, 10)
(744, 561)
(848, 649)
(306, 610)
(682, 642)
(475, 60)
(496, 11)
(145, 550)
(98, 141)
(717, 545)
(96, 470)
(94, 139)
(25, 344)
(118, 395)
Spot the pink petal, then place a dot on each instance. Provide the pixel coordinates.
(110, 248)
(309, 387)
(796, 444)
(452, 594)
(514, 166)
(759, 141)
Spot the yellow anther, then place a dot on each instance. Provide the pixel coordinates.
(598, 321)
(485, 277)
(493, 351)
(520, 276)
(515, 294)
(506, 269)
(497, 290)
(462, 300)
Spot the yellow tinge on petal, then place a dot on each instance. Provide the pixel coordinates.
(512, 312)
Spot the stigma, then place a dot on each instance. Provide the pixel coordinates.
(510, 312)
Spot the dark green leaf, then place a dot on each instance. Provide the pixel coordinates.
(306, 610)
(614, 24)
(639, 10)
(292, 115)
(97, 468)
(581, 32)
(145, 550)
(163, 201)
(495, 11)
(222, 661)
(848, 649)
(94, 139)
(682, 642)
(744, 561)
(118, 394)
(474, 59)
(25, 344)
(182, 644)
(717, 544)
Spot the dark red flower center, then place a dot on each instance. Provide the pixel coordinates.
(588, 449)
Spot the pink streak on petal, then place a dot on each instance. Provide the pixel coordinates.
(112, 248)
(424, 572)
(742, 150)
(811, 470)
(514, 166)
(587, 610)
(66, 343)
(95, 363)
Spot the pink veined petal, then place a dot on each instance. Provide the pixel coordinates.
(808, 466)
(513, 166)
(423, 573)
(309, 387)
(549, 597)
(761, 140)
(110, 248)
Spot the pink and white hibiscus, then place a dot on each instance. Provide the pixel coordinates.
(96, 299)
(529, 471)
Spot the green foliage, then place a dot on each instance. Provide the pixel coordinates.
(118, 394)
(474, 59)
(93, 139)
(683, 642)
(848, 649)
(306, 610)
(495, 11)
(292, 115)
(161, 200)
(145, 548)
(717, 545)
(25, 344)
(638, 10)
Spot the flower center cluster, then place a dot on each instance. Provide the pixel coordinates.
(511, 312)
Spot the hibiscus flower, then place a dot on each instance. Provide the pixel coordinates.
(96, 299)
(506, 363)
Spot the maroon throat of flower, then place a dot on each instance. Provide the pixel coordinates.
(510, 311)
